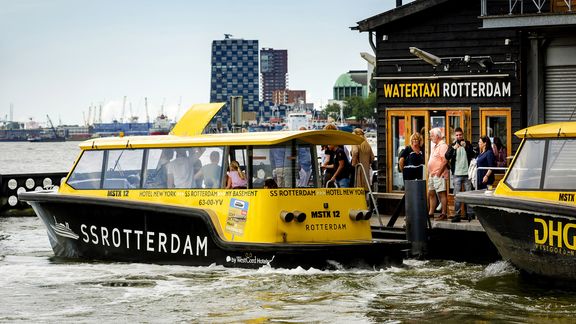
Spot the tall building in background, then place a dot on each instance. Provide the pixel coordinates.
(274, 70)
(234, 73)
(289, 97)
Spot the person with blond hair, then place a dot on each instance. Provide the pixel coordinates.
(361, 154)
(236, 178)
(411, 161)
(438, 174)
(330, 127)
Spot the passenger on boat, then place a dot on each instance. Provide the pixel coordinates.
(270, 184)
(210, 173)
(342, 166)
(361, 154)
(327, 165)
(236, 178)
(197, 166)
(158, 178)
(304, 164)
(181, 170)
(281, 167)
(459, 155)
(437, 174)
(486, 158)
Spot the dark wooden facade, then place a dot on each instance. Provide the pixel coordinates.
(452, 31)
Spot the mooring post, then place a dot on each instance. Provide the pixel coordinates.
(416, 216)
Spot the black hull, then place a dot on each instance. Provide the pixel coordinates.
(539, 238)
(127, 231)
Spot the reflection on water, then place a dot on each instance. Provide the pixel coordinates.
(37, 287)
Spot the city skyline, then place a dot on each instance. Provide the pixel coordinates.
(60, 58)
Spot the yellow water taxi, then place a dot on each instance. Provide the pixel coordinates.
(531, 215)
(173, 199)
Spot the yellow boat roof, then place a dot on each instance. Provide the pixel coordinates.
(196, 118)
(560, 129)
(321, 137)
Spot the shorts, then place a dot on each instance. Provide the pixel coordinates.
(437, 184)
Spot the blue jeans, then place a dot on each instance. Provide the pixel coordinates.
(457, 181)
(343, 183)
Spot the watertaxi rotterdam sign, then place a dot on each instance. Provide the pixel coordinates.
(476, 89)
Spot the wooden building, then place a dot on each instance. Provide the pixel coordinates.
(490, 67)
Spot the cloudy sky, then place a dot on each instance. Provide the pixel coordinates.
(59, 57)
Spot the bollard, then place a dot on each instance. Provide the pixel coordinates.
(416, 216)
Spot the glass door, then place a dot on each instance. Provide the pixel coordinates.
(401, 125)
(497, 123)
(396, 142)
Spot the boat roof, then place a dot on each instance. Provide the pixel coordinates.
(196, 118)
(318, 137)
(560, 129)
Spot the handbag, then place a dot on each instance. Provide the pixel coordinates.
(473, 173)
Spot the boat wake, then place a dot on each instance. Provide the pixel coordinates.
(499, 268)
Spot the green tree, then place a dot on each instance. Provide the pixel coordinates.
(362, 108)
(332, 110)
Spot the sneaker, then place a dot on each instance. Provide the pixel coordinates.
(456, 219)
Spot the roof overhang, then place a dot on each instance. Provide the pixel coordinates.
(529, 21)
(395, 14)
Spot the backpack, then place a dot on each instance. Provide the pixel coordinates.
(473, 173)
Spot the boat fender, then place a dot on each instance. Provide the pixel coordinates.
(300, 216)
(356, 214)
(286, 216)
(367, 214)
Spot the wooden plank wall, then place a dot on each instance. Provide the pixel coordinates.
(452, 29)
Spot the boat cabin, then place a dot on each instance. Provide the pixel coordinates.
(545, 165)
(202, 163)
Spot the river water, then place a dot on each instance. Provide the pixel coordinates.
(35, 287)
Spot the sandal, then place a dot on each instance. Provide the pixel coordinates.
(442, 217)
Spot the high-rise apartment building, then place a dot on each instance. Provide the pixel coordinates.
(289, 97)
(274, 70)
(234, 73)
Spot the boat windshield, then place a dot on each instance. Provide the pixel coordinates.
(544, 164)
(185, 167)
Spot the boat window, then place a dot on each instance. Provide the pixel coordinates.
(155, 174)
(210, 175)
(306, 176)
(184, 168)
(281, 164)
(239, 155)
(561, 165)
(88, 171)
(123, 169)
(526, 171)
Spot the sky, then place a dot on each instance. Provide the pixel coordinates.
(60, 57)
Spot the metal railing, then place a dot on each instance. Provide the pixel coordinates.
(517, 7)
